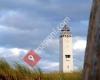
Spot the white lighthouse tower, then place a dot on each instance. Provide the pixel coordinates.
(66, 56)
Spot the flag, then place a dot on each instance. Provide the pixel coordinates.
(32, 58)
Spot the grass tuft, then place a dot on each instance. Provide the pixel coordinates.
(20, 72)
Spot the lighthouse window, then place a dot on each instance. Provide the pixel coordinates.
(67, 56)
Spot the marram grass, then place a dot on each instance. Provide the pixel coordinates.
(20, 72)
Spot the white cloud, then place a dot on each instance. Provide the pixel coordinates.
(48, 61)
(11, 52)
(79, 43)
(49, 65)
(16, 54)
(16, 51)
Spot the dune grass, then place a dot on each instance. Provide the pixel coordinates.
(20, 72)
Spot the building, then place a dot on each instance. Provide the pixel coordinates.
(66, 56)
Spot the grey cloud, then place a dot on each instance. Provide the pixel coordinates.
(21, 30)
(22, 20)
(32, 26)
(57, 7)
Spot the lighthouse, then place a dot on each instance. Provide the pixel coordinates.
(66, 55)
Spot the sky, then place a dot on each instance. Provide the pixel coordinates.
(24, 24)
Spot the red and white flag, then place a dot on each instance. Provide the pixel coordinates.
(32, 58)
